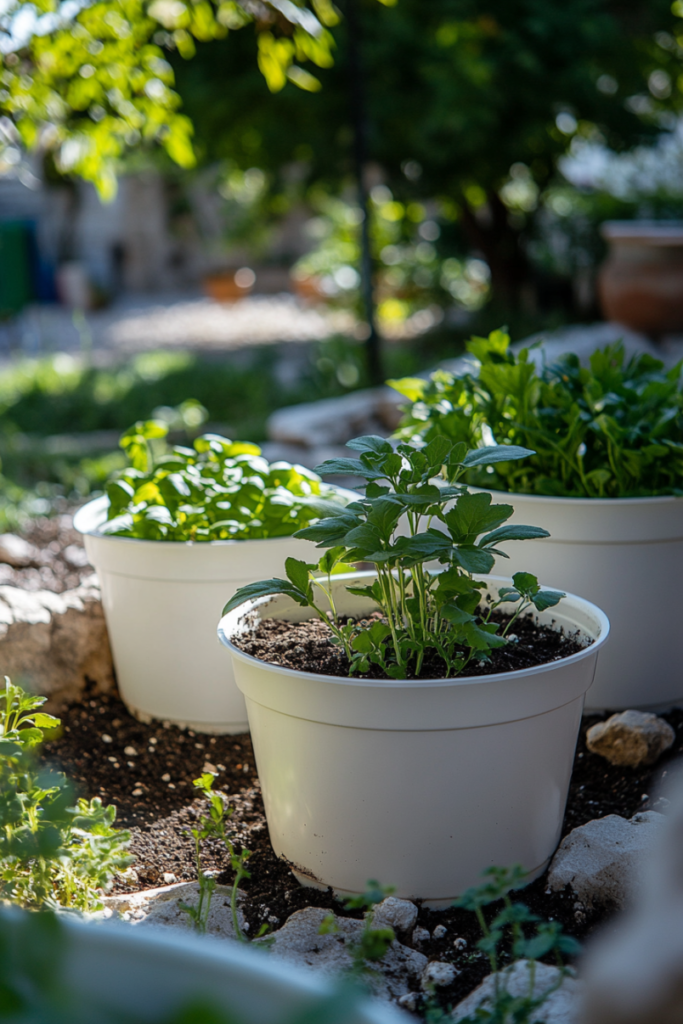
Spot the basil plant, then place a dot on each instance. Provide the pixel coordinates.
(405, 523)
(216, 490)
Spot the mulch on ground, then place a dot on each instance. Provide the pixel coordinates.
(147, 771)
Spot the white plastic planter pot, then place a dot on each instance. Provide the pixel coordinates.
(161, 600)
(118, 973)
(419, 784)
(624, 554)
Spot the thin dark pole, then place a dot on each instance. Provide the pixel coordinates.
(359, 122)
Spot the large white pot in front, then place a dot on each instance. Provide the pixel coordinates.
(161, 601)
(117, 972)
(419, 784)
(625, 555)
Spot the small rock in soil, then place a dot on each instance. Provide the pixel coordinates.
(17, 552)
(561, 1007)
(438, 974)
(162, 907)
(300, 942)
(392, 912)
(630, 738)
(601, 861)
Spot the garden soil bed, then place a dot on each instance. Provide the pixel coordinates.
(307, 647)
(147, 772)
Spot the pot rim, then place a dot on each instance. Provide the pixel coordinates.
(555, 499)
(102, 504)
(493, 677)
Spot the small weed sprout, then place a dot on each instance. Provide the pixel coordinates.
(212, 826)
(373, 942)
(424, 612)
(509, 929)
(53, 852)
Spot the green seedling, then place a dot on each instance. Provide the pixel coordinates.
(404, 524)
(373, 942)
(524, 936)
(611, 429)
(212, 826)
(53, 851)
(216, 490)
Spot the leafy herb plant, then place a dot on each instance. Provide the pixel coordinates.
(404, 522)
(213, 827)
(611, 429)
(216, 490)
(507, 938)
(53, 852)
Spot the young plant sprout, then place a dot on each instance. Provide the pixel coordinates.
(213, 827)
(404, 523)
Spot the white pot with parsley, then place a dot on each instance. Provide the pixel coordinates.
(175, 532)
(454, 695)
(605, 481)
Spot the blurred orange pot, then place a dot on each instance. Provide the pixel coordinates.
(641, 282)
(229, 285)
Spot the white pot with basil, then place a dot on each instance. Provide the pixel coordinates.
(174, 533)
(452, 695)
(606, 482)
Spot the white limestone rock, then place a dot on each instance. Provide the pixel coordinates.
(299, 941)
(600, 860)
(16, 551)
(392, 912)
(630, 738)
(438, 974)
(634, 971)
(161, 907)
(55, 644)
(561, 1006)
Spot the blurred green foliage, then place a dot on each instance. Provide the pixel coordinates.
(89, 81)
(468, 107)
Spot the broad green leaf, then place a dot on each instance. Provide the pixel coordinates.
(526, 583)
(264, 588)
(43, 721)
(347, 467)
(473, 559)
(512, 532)
(371, 443)
(496, 453)
(412, 387)
(547, 599)
(297, 571)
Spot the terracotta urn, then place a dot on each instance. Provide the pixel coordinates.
(641, 282)
(229, 285)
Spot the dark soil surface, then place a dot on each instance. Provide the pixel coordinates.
(147, 771)
(52, 559)
(307, 646)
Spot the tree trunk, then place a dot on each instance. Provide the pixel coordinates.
(488, 230)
